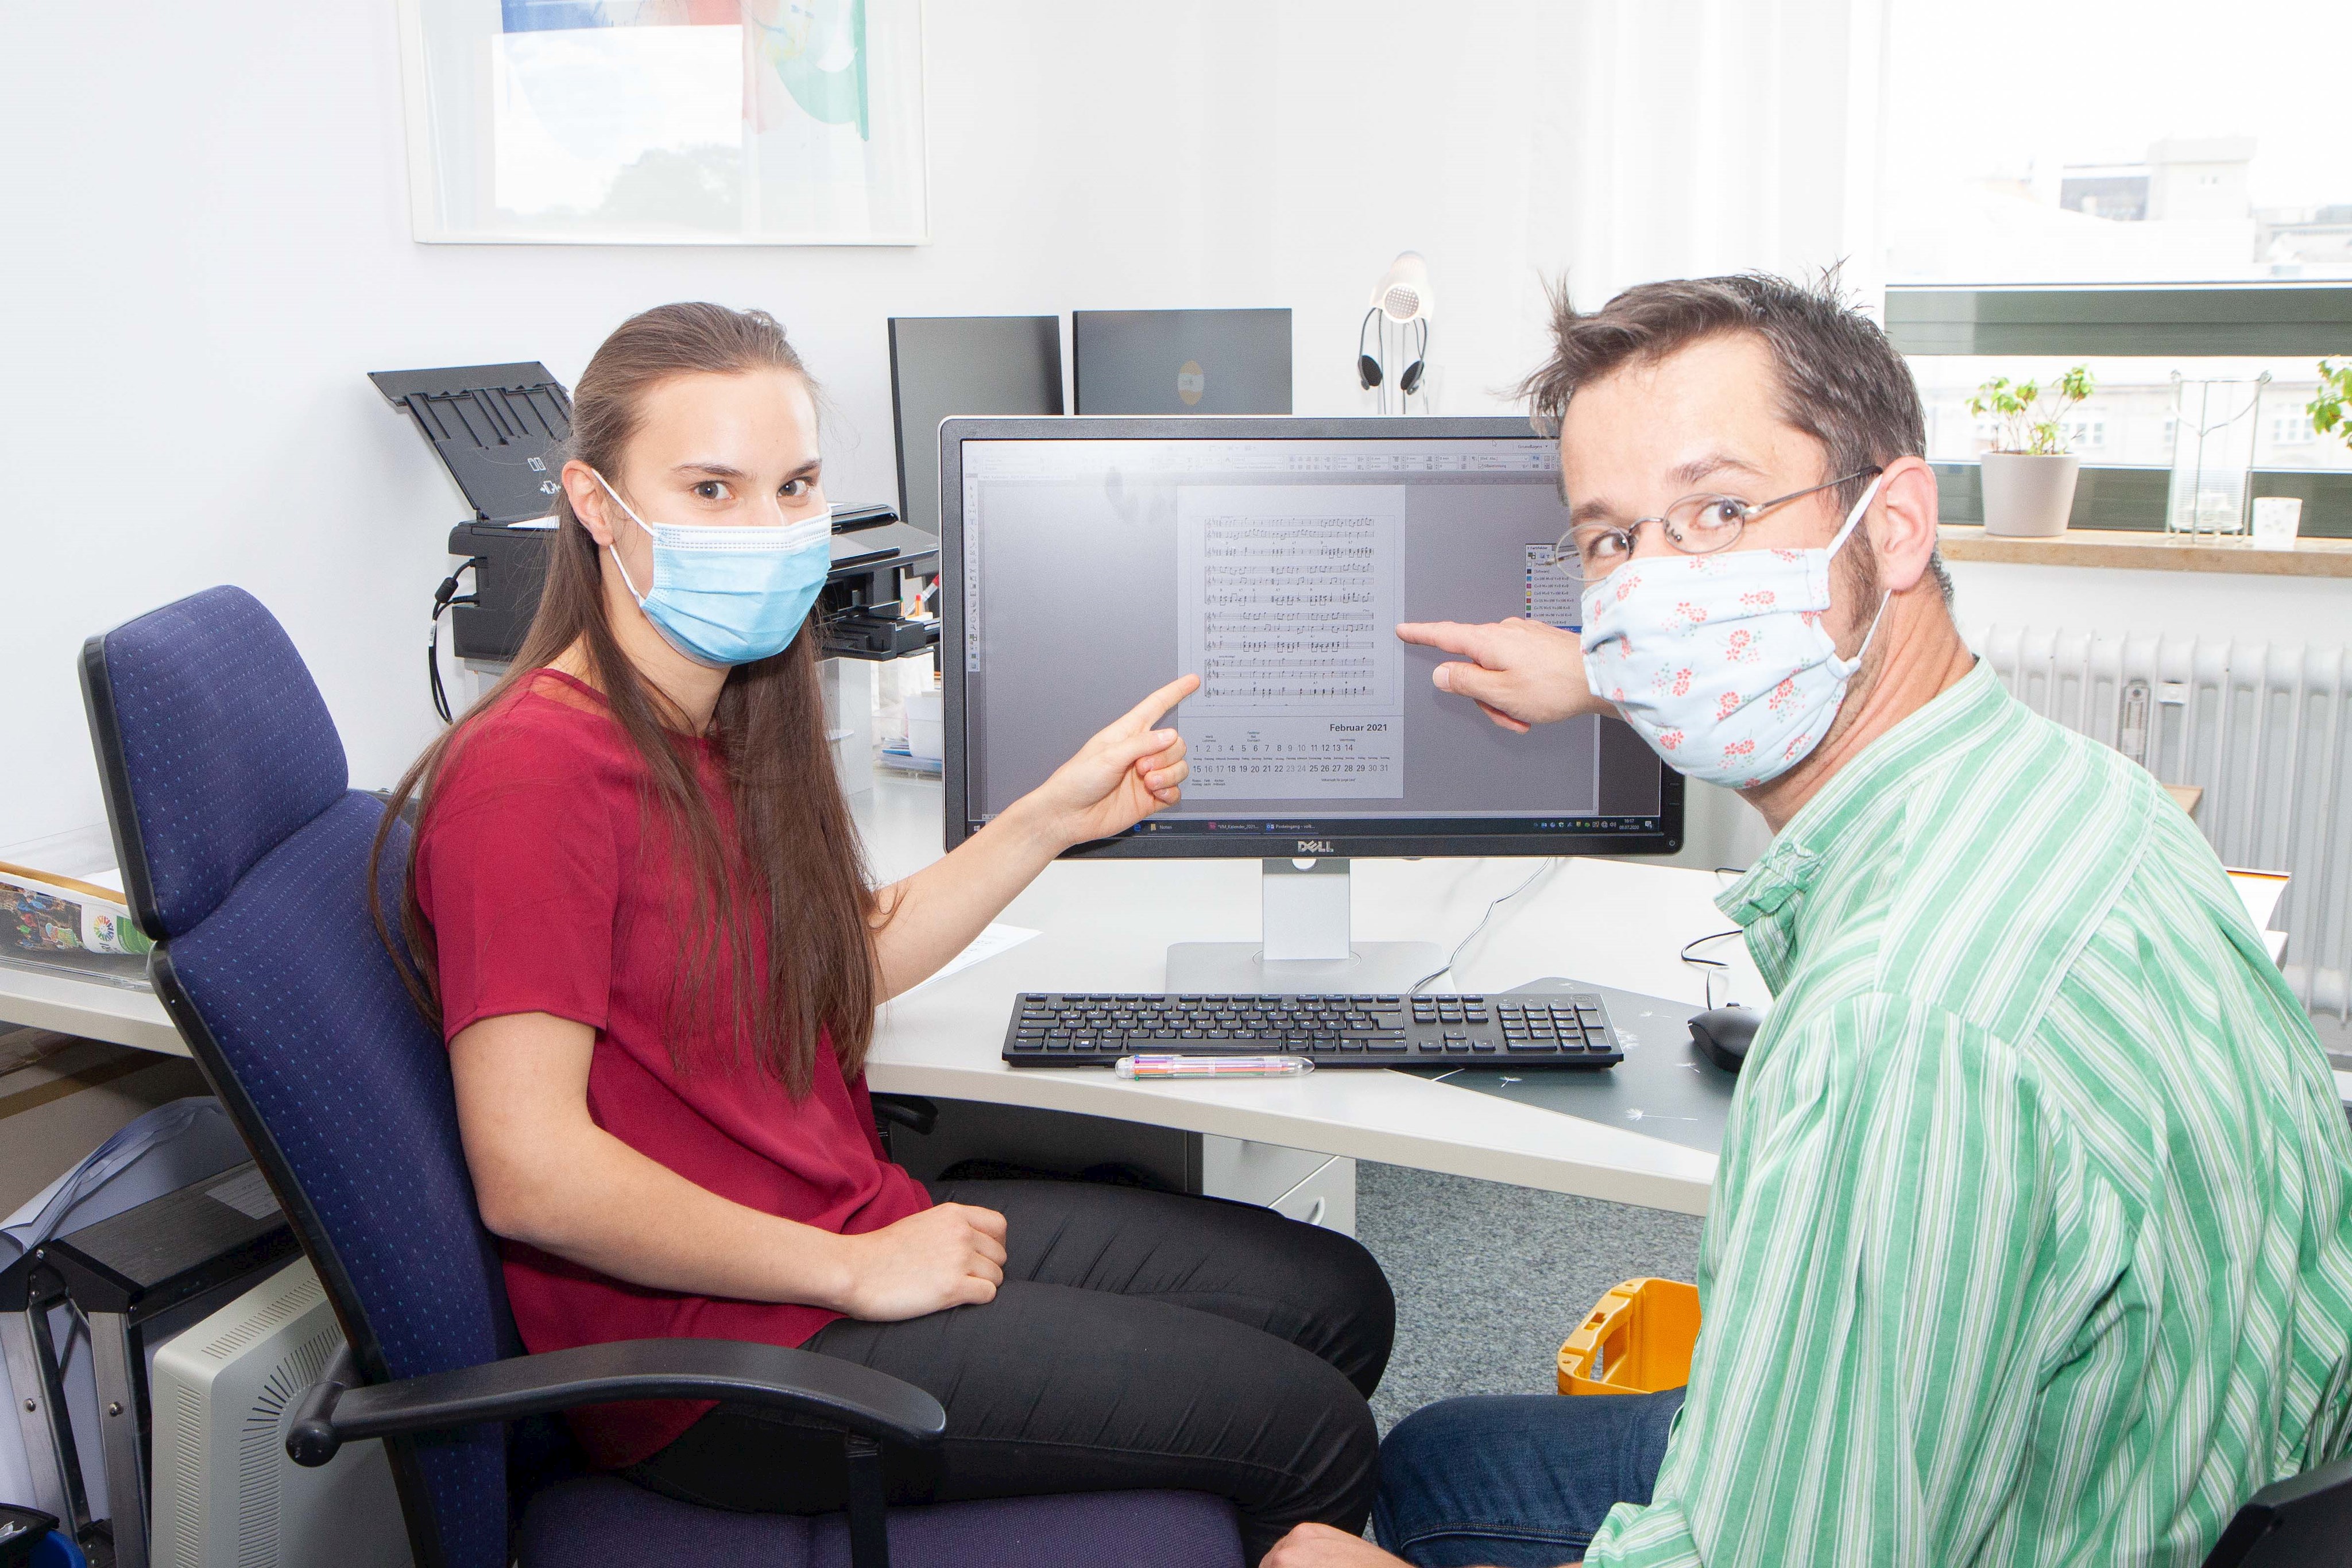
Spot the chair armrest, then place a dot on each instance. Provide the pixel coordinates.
(912, 1112)
(821, 1388)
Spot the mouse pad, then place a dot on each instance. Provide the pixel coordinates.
(1664, 1087)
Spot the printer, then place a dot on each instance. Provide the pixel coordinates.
(500, 430)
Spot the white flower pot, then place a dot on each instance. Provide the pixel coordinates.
(2028, 495)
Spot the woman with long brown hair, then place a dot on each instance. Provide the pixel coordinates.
(636, 909)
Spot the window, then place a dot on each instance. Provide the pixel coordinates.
(2129, 420)
(2113, 143)
(2137, 189)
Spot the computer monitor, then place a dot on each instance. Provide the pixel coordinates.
(942, 365)
(1091, 560)
(1180, 362)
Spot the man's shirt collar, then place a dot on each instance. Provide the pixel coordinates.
(1765, 900)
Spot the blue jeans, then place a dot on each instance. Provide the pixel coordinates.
(1517, 1480)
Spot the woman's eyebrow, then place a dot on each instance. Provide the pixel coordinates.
(710, 470)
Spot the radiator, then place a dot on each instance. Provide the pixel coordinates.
(2265, 729)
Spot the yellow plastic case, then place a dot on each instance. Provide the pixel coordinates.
(1637, 1340)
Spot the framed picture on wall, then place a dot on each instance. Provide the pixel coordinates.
(666, 121)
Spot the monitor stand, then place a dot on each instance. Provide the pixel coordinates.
(1306, 946)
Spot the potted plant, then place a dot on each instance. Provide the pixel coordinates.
(2331, 411)
(2029, 474)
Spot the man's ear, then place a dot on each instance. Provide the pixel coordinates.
(588, 502)
(1902, 522)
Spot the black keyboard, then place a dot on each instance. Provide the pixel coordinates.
(1074, 1029)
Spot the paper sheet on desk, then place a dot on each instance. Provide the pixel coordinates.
(995, 939)
(2260, 890)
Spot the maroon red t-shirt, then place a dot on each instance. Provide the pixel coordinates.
(548, 893)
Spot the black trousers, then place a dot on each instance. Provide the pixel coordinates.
(1141, 1341)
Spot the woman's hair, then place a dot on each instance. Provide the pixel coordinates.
(798, 869)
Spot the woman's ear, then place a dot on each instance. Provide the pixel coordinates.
(1903, 532)
(588, 502)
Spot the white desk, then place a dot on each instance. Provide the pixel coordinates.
(88, 1008)
(1106, 925)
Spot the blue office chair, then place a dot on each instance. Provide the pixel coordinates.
(244, 854)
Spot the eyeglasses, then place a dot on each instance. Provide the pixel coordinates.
(1695, 525)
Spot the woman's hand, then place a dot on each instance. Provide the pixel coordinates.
(1522, 674)
(949, 1255)
(1118, 778)
(1320, 1546)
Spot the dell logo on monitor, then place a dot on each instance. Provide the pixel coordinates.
(1315, 846)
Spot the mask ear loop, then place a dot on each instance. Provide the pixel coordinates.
(641, 523)
(1883, 600)
(1837, 544)
(1853, 519)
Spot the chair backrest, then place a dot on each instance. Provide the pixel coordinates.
(244, 854)
(2303, 1522)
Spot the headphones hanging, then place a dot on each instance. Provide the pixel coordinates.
(1401, 297)
(1368, 369)
(1409, 382)
(1368, 373)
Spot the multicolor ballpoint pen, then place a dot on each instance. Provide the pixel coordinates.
(1212, 1066)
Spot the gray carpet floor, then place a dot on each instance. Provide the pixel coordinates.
(1489, 1279)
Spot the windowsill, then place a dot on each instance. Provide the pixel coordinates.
(2150, 552)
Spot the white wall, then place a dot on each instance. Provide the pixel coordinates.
(209, 247)
(216, 202)
(218, 210)
(2217, 604)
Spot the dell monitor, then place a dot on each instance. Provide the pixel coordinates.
(1089, 562)
(942, 365)
(1180, 362)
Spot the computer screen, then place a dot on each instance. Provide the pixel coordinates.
(1091, 560)
(1180, 362)
(942, 365)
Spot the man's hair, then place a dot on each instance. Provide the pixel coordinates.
(1840, 382)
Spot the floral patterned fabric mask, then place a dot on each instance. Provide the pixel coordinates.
(1721, 662)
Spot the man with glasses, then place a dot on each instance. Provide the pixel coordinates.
(2032, 1239)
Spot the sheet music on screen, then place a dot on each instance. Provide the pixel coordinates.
(1288, 602)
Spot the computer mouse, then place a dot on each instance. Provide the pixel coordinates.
(1722, 1035)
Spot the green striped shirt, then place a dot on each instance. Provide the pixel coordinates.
(2031, 1241)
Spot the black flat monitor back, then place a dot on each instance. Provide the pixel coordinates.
(1181, 361)
(943, 365)
(1090, 561)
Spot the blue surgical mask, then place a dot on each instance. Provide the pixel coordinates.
(726, 596)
